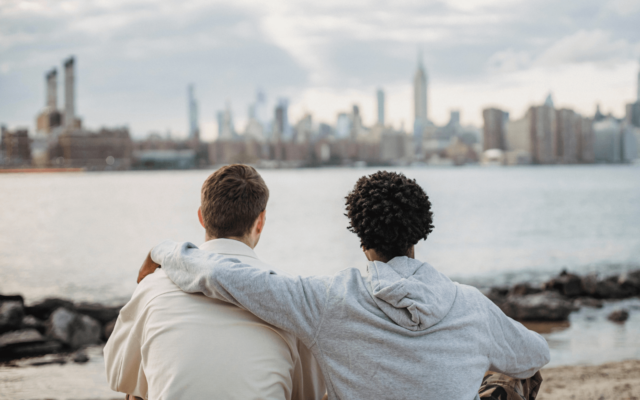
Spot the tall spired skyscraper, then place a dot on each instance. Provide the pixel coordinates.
(421, 118)
(420, 84)
(194, 129)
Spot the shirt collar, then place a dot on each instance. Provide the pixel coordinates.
(228, 247)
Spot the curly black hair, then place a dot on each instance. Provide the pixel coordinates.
(389, 212)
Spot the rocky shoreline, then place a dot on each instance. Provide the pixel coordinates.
(52, 326)
(60, 327)
(555, 299)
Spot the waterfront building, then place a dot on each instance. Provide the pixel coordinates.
(282, 128)
(194, 126)
(304, 129)
(226, 129)
(569, 128)
(343, 126)
(15, 147)
(630, 143)
(632, 115)
(396, 147)
(545, 133)
(607, 140)
(585, 143)
(380, 97)
(494, 128)
(518, 140)
(357, 129)
(107, 148)
(254, 129)
(534, 137)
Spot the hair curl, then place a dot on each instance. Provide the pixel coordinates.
(389, 213)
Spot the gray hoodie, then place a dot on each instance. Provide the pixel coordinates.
(405, 331)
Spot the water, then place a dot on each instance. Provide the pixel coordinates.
(84, 236)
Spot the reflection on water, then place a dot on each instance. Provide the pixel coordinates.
(546, 327)
(54, 381)
(592, 339)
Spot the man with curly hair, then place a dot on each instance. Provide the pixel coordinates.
(404, 331)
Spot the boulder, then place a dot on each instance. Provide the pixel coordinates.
(37, 349)
(108, 329)
(98, 312)
(73, 329)
(618, 316)
(12, 297)
(11, 314)
(44, 360)
(566, 284)
(496, 294)
(31, 322)
(587, 302)
(607, 288)
(630, 281)
(545, 306)
(523, 289)
(25, 342)
(45, 308)
(20, 337)
(80, 357)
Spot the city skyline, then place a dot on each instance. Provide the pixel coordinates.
(474, 54)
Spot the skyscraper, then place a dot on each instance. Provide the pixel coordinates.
(194, 129)
(494, 128)
(421, 118)
(69, 93)
(420, 84)
(282, 120)
(380, 94)
(226, 129)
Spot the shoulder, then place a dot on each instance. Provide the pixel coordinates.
(472, 298)
(152, 286)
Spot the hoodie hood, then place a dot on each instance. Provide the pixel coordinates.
(411, 293)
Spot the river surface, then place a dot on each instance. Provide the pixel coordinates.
(84, 235)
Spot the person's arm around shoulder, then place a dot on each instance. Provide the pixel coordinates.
(515, 350)
(294, 304)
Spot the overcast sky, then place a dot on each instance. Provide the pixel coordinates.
(135, 58)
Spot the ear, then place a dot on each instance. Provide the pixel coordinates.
(200, 217)
(260, 221)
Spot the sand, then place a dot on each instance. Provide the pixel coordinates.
(618, 380)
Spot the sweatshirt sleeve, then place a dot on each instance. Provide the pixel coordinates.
(291, 303)
(515, 350)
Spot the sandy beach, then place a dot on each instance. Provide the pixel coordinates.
(617, 380)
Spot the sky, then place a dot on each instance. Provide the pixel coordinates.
(135, 58)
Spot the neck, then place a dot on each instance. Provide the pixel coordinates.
(373, 255)
(245, 239)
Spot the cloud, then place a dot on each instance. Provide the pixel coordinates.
(508, 61)
(596, 46)
(135, 57)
